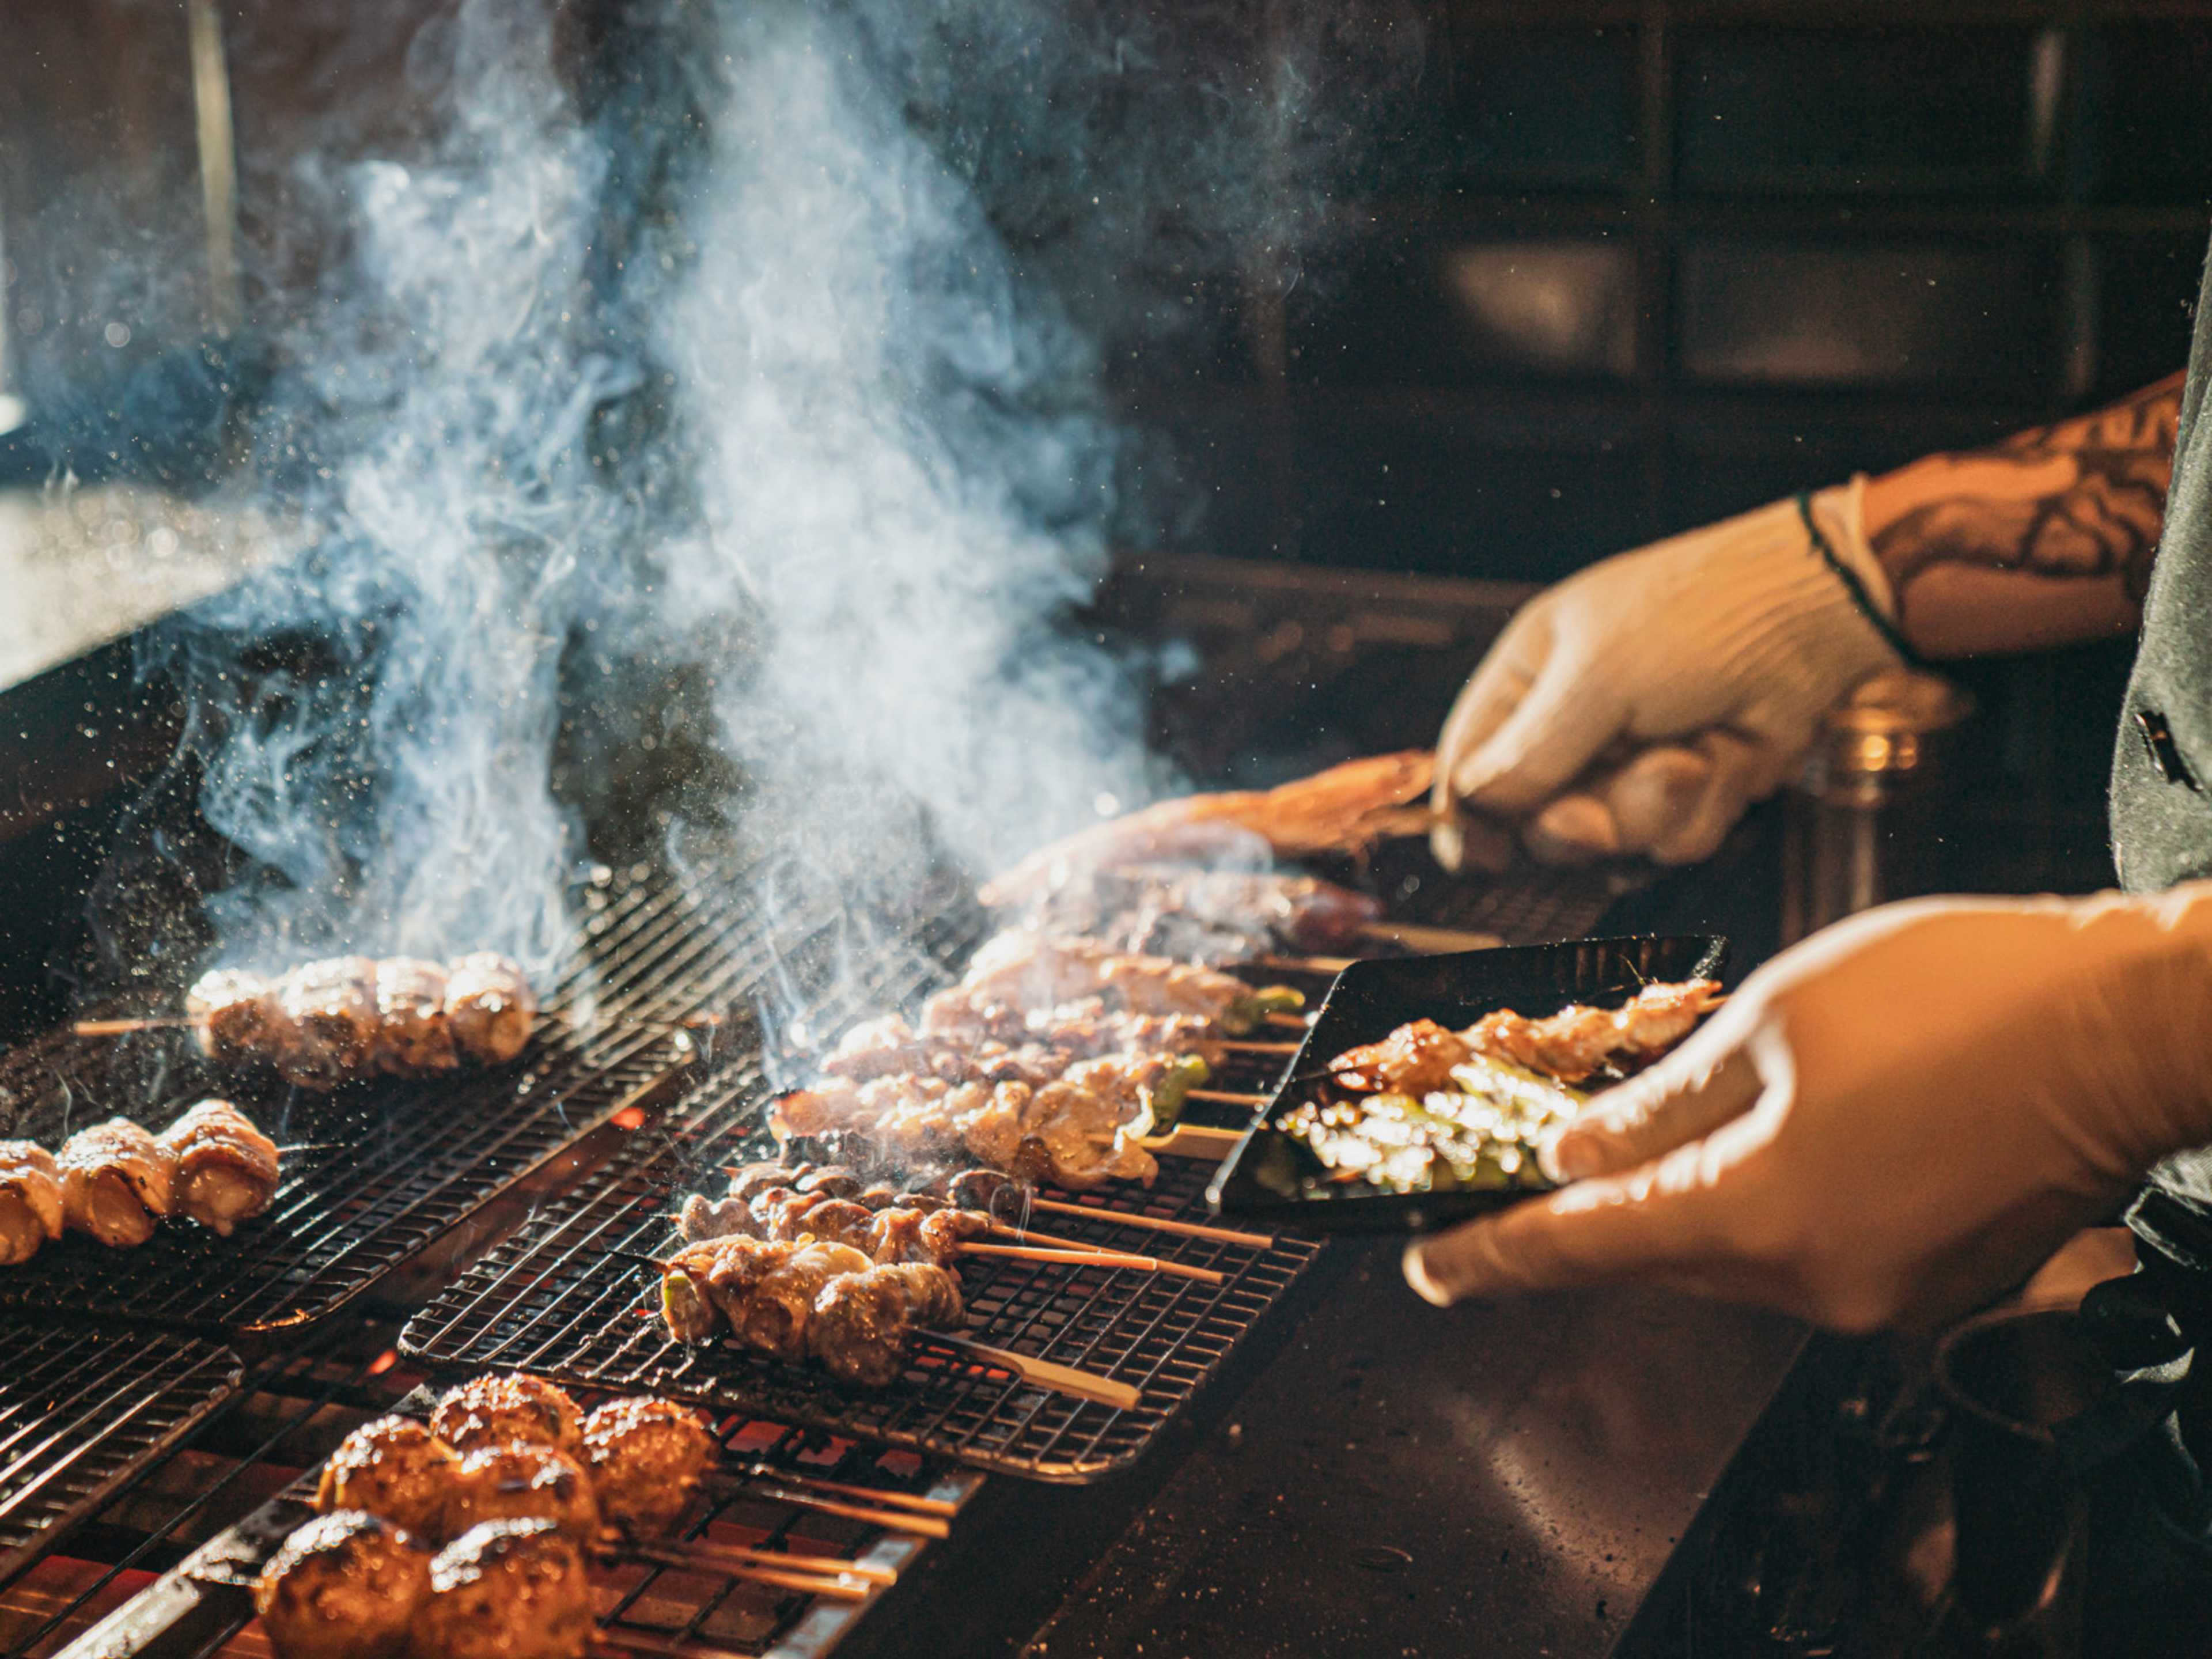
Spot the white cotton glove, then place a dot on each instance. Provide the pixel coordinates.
(1886, 1124)
(1640, 706)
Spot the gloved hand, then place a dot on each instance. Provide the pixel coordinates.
(1886, 1123)
(1639, 706)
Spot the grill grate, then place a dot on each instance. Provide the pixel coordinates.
(568, 1297)
(83, 1411)
(385, 1167)
(200, 1606)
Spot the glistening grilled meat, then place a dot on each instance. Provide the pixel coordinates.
(31, 1205)
(925, 1230)
(226, 1169)
(332, 1022)
(647, 1458)
(393, 1467)
(508, 1590)
(752, 1287)
(118, 1181)
(345, 1586)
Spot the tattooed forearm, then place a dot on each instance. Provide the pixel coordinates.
(2081, 500)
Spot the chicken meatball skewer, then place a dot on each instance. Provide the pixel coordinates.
(645, 1463)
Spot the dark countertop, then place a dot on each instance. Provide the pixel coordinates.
(1508, 1479)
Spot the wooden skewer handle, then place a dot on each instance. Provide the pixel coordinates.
(1226, 1097)
(920, 1525)
(869, 1494)
(1155, 1224)
(705, 1552)
(1061, 1379)
(1152, 1264)
(1193, 1140)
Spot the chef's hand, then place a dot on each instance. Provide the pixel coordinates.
(1886, 1124)
(1639, 706)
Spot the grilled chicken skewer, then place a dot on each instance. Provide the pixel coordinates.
(1570, 1046)
(226, 1169)
(343, 1018)
(31, 1203)
(118, 1181)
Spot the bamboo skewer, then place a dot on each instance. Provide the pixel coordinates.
(1227, 1097)
(1184, 1229)
(1153, 1264)
(1289, 1021)
(1232, 1045)
(776, 1484)
(1061, 1379)
(920, 1506)
(1193, 1140)
(1085, 1257)
(834, 1574)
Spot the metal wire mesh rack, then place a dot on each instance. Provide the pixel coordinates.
(81, 1412)
(571, 1295)
(376, 1171)
(771, 1502)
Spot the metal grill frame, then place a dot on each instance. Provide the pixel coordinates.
(394, 1166)
(82, 1412)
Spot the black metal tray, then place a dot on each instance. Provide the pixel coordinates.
(81, 1412)
(1267, 1177)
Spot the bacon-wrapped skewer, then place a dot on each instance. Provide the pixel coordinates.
(31, 1205)
(226, 1169)
(118, 1181)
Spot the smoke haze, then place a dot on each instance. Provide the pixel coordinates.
(784, 352)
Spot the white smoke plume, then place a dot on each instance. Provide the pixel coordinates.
(781, 354)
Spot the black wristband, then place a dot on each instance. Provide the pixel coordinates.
(1853, 586)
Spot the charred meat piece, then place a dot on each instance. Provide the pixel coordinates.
(1416, 1058)
(238, 1017)
(1045, 970)
(702, 1218)
(117, 1181)
(862, 1323)
(497, 1410)
(412, 1037)
(395, 1468)
(773, 1313)
(31, 1205)
(226, 1168)
(330, 1008)
(489, 1007)
(703, 1286)
(345, 1586)
(508, 1590)
(647, 1459)
(979, 1189)
(521, 1482)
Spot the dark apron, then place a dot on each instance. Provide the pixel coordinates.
(2157, 1326)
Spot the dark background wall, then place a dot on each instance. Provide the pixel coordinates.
(1624, 268)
